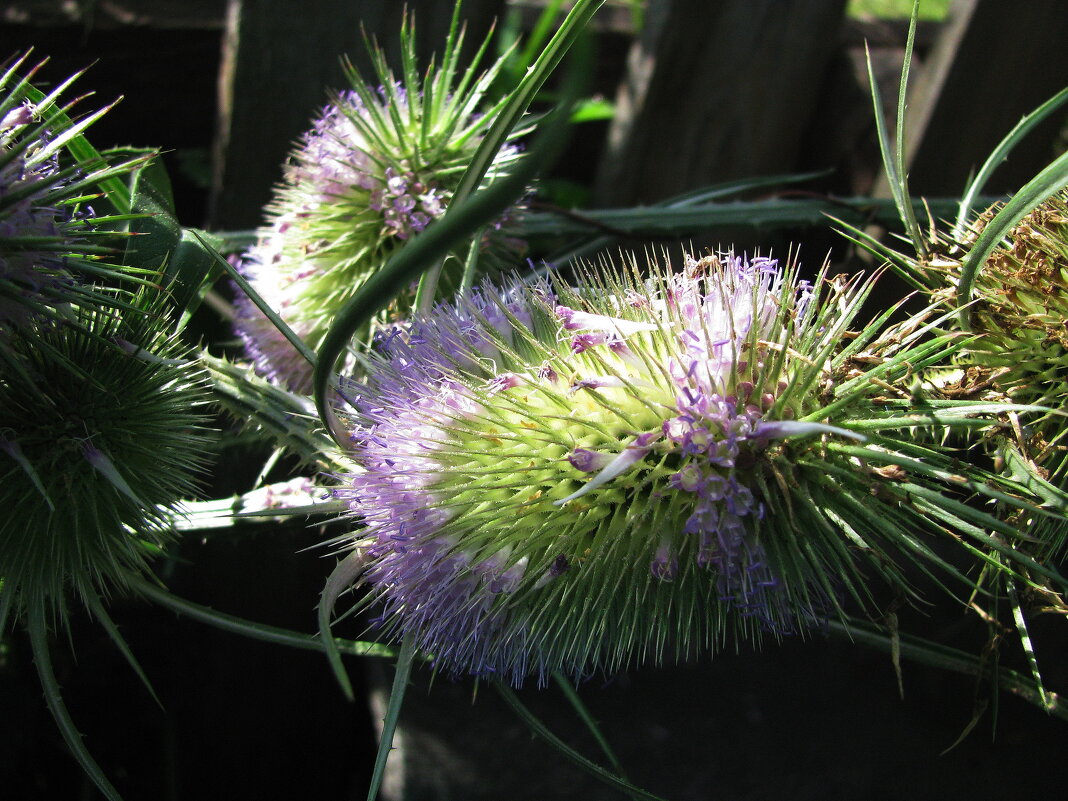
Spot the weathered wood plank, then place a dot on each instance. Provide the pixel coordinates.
(996, 62)
(716, 89)
(171, 14)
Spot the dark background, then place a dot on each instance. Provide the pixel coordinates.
(817, 719)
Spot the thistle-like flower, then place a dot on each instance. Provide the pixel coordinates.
(50, 250)
(578, 479)
(101, 433)
(377, 167)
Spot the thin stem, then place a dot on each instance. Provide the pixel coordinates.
(253, 630)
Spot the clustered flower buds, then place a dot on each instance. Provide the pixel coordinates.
(574, 479)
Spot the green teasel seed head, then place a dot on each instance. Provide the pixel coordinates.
(102, 433)
(640, 467)
(1023, 305)
(380, 163)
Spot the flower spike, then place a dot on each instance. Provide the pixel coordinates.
(730, 461)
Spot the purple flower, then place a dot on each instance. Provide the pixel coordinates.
(376, 168)
(515, 521)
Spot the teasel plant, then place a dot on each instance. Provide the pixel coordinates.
(677, 502)
(997, 276)
(566, 479)
(560, 478)
(103, 411)
(104, 431)
(381, 162)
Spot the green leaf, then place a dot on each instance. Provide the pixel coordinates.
(154, 231)
(682, 219)
(192, 268)
(593, 110)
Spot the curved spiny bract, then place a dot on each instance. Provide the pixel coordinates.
(55, 254)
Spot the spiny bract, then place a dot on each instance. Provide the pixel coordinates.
(579, 479)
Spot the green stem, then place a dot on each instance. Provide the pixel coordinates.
(253, 630)
(389, 723)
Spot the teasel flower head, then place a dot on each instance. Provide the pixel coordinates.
(52, 249)
(379, 164)
(102, 433)
(639, 469)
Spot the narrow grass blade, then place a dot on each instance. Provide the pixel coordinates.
(591, 725)
(567, 751)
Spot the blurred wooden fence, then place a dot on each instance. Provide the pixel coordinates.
(708, 90)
